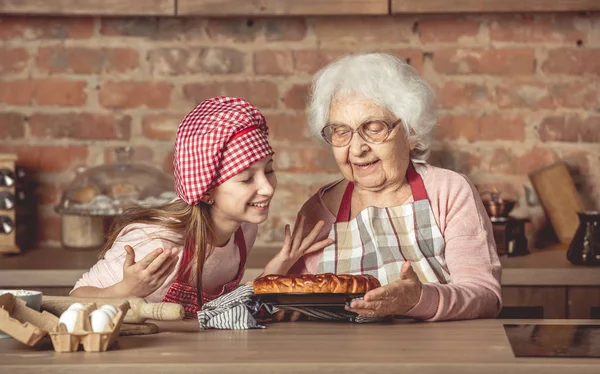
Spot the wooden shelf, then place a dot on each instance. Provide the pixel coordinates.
(89, 7)
(223, 8)
(491, 6)
(282, 7)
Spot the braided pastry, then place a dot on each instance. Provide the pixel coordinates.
(315, 283)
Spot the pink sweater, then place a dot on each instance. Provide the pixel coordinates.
(475, 271)
(221, 266)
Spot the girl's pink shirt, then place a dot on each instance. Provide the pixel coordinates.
(470, 251)
(221, 266)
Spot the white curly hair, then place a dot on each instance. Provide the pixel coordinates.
(386, 80)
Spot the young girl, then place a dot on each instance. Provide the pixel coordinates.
(194, 249)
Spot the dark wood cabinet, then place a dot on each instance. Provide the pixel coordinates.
(534, 302)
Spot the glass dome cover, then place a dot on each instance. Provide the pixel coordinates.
(109, 189)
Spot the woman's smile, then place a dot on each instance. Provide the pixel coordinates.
(365, 166)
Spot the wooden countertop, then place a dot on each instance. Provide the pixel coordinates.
(478, 346)
(57, 267)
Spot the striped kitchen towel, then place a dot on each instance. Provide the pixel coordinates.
(233, 311)
(236, 311)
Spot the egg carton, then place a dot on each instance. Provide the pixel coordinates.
(30, 326)
(65, 341)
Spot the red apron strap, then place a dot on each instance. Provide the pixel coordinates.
(241, 243)
(417, 187)
(344, 211)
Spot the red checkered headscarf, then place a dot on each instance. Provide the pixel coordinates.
(218, 139)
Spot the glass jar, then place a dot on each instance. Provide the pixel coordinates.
(98, 194)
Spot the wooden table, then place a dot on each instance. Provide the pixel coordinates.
(478, 346)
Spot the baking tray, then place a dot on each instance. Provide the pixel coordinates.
(309, 299)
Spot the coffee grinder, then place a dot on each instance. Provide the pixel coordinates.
(509, 232)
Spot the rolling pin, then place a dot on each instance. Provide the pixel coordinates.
(139, 309)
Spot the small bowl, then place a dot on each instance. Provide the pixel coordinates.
(499, 209)
(33, 299)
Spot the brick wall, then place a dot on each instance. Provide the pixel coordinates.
(517, 92)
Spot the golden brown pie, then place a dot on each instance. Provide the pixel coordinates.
(315, 283)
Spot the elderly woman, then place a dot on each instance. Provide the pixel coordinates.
(421, 230)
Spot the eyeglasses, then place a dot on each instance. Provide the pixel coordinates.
(374, 132)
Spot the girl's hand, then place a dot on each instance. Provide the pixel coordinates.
(294, 247)
(146, 276)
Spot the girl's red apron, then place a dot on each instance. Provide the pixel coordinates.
(186, 294)
(379, 240)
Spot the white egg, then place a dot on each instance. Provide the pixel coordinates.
(110, 310)
(76, 306)
(99, 319)
(68, 318)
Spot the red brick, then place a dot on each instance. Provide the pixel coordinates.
(44, 92)
(274, 62)
(288, 128)
(524, 94)
(48, 228)
(263, 94)
(356, 30)
(459, 161)
(212, 60)
(447, 29)
(507, 161)
(236, 30)
(304, 158)
(572, 61)
(296, 96)
(79, 60)
(518, 61)
(161, 126)
(583, 94)
(83, 126)
(17, 92)
(12, 126)
(145, 27)
(48, 159)
(60, 92)
(31, 28)
(285, 29)
(13, 60)
(570, 129)
(131, 94)
(455, 95)
(483, 127)
(539, 28)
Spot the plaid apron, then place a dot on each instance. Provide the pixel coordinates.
(379, 240)
(185, 294)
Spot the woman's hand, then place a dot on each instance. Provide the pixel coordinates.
(294, 247)
(395, 298)
(142, 278)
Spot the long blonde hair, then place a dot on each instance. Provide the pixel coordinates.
(192, 221)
